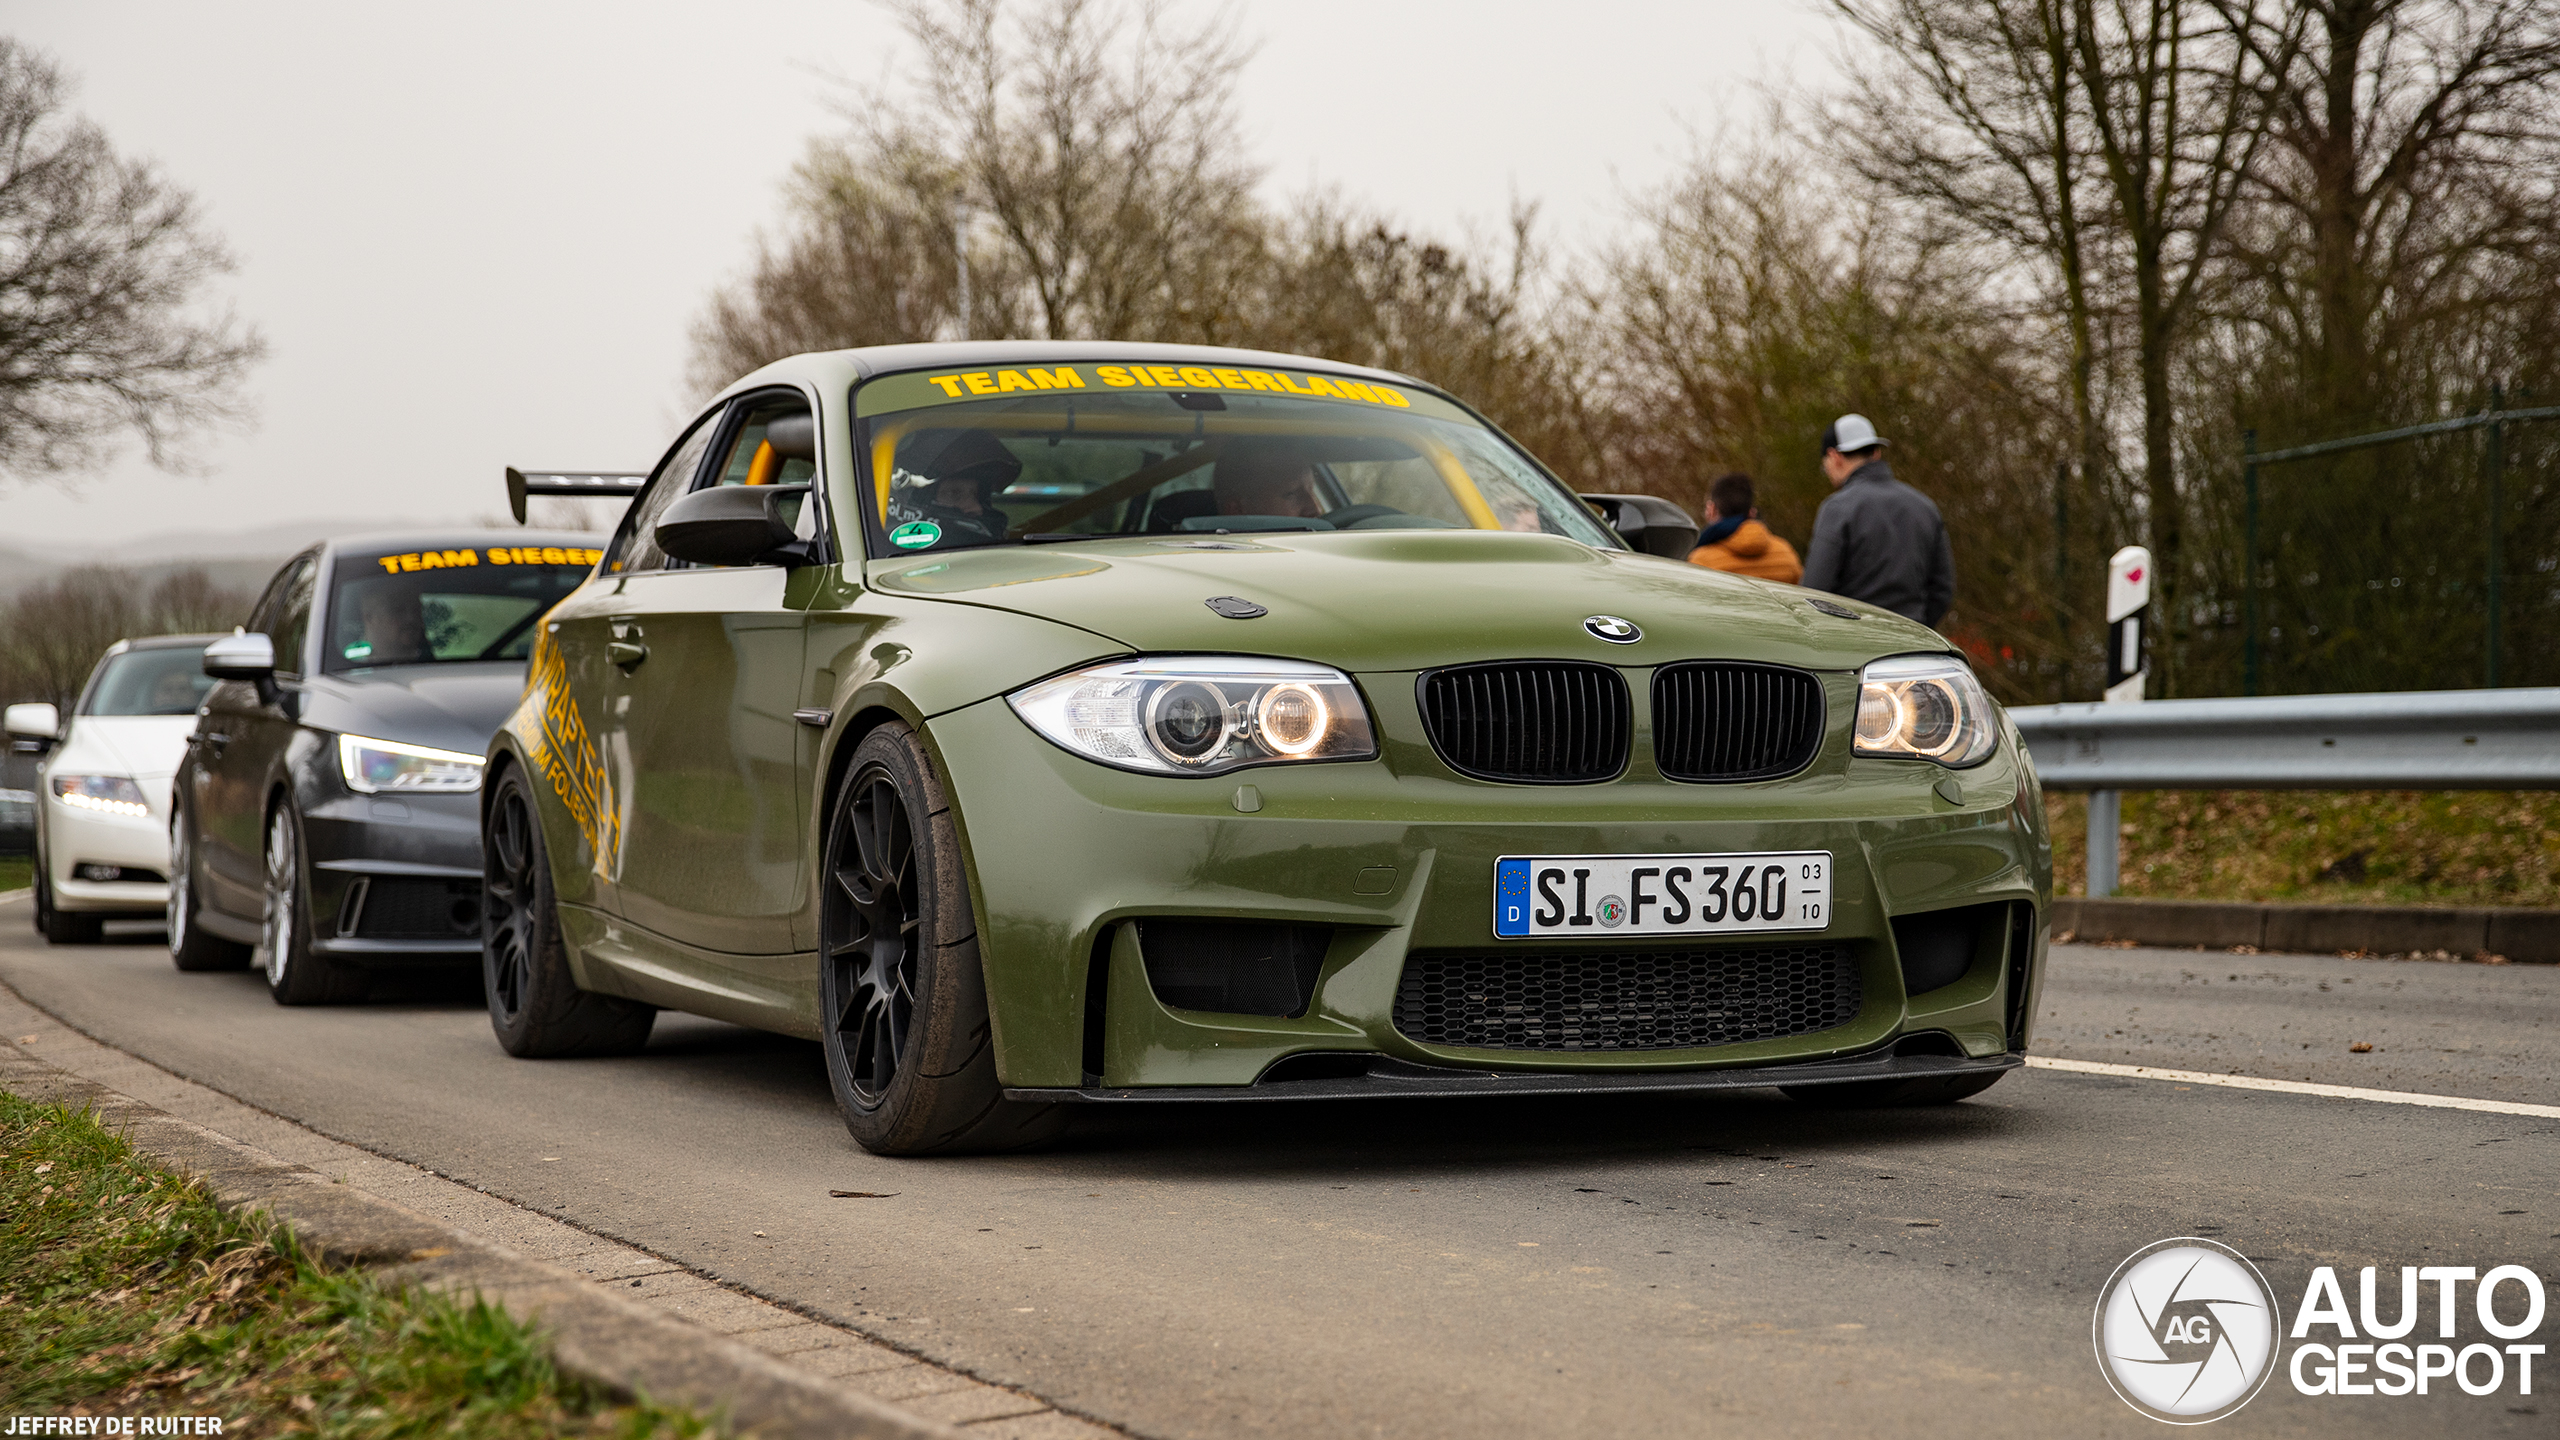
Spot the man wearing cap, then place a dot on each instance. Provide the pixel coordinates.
(1877, 539)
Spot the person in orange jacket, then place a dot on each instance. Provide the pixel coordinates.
(1736, 541)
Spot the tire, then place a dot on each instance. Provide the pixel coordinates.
(903, 999)
(61, 927)
(191, 947)
(535, 1005)
(1894, 1094)
(296, 976)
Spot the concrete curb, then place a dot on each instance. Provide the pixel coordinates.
(2528, 936)
(620, 1345)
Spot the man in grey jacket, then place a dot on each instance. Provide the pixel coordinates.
(1877, 539)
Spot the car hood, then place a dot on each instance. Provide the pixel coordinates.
(451, 707)
(143, 746)
(1388, 600)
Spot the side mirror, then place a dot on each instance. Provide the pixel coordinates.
(242, 657)
(36, 721)
(733, 525)
(1648, 523)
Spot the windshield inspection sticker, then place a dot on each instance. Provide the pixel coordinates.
(915, 535)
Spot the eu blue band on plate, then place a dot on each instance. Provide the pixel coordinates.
(1511, 897)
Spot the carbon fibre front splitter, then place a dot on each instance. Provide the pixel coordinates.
(1387, 1078)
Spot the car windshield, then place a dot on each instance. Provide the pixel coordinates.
(160, 681)
(426, 607)
(1008, 456)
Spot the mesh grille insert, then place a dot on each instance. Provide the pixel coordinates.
(401, 909)
(1621, 1000)
(1551, 722)
(1714, 720)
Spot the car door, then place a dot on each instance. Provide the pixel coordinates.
(237, 742)
(710, 660)
(585, 702)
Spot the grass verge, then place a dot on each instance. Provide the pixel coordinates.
(124, 1290)
(17, 872)
(2340, 847)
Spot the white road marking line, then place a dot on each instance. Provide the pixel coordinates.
(2295, 1087)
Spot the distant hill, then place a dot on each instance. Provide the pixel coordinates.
(242, 559)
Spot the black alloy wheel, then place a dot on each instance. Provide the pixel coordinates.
(910, 1053)
(191, 946)
(535, 1005)
(874, 954)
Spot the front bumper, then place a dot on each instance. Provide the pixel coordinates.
(1394, 858)
(395, 880)
(74, 839)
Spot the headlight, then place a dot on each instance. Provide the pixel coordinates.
(376, 765)
(1200, 715)
(1925, 706)
(102, 794)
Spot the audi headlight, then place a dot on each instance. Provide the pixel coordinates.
(102, 795)
(1925, 706)
(1200, 715)
(372, 766)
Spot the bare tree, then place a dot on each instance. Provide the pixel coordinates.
(869, 259)
(1102, 146)
(2413, 141)
(2178, 112)
(103, 269)
(1975, 112)
(52, 634)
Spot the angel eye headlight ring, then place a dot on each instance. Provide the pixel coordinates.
(1292, 718)
(1925, 707)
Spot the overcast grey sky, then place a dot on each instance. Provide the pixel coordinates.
(475, 234)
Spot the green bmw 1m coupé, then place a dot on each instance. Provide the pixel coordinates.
(1040, 723)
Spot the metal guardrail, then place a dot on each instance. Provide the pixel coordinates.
(2412, 740)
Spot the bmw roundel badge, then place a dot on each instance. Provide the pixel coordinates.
(1613, 629)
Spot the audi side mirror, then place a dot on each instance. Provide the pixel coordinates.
(36, 721)
(242, 656)
(734, 525)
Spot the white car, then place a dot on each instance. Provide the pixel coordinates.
(102, 794)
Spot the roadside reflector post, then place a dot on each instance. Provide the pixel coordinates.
(2128, 667)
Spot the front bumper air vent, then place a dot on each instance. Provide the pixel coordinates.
(1535, 722)
(1625, 1000)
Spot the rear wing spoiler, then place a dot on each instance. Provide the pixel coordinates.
(593, 485)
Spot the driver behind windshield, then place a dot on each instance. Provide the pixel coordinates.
(945, 487)
(1266, 478)
(395, 628)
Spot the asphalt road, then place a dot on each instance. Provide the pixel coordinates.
(1605, 1267)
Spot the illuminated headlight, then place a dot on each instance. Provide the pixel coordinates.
(1200, 715)
(102, 795)
(377, 765)
(1925, 706)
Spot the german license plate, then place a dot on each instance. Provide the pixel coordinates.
(1545, 896)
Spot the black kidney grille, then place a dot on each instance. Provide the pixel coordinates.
(1714, 720)
(1643, 1000)
(1536, 722)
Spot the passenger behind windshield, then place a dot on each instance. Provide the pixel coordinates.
(1095, 457)
(431, 607)
(159, 681)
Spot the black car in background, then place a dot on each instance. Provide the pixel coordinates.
(324, 821)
